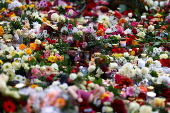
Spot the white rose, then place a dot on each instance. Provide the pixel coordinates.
(99, 71)
(24, 58)
(145, 70)
(43, 68)
(138, 71)
(163, 56)
(145, 109)
(91, 78)
(70, 12)
(132, 73)
(55, 83)
(91, 68)
(64, 86)
(82, 87)
(80, 74)
(151, 27)
(126, 54)
(37, 67)
(150, 60)
(14, 94)
(19, 32)
(38, 89)
(25, 34)
(141, 34)
(73, 76)
(113, 65)
(2, 85)
(91, 85)
(37, 42)
(84, 82)
(16, 65)
(129, 14)
(134, 106)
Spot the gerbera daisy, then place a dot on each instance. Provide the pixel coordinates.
(9, 106)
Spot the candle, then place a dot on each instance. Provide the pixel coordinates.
(143, 17)
(92, 57)
(141, 63)
(100, 25)
(122, 43)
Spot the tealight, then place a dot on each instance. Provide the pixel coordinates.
(122, 43)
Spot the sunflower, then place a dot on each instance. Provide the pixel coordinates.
(52, 58)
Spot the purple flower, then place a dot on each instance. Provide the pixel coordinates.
(129, 91)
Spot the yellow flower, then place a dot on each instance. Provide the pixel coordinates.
(13, 53)
(22, 7)
(21, 53)
(3, 9)
(134, 43)
(32, 5)
(52, 58)
(8, 1)
(1, 31)
(34, 86)
(159, 16)
(159, 102)
(117, 55)
(132, 53)
(13, 15)
(28, 51)
(44, 19)
(1, 62)
(104, 95)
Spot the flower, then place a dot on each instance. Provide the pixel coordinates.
(1, 31)
(145, 70)
(138, 71)
(70, 12)
(48, 69)
(54, 67)
(9, 106)
(11, 74)
(130, 91)
(22, 46)
(145, 109)
(163, 79)
(64, 86)
(118, 106)
(73, 76)
(134, 107)
(60, 102)
(7, 66)
(151, 28)
(141, 34)
(91, 68)
(1, 62)
(38, 89)
(28, 51)
(113, 65)
(52, 58)
(18, 77)
(37, 41)
(150, 60)
(163, 56)
(33, 46)
(16, 65)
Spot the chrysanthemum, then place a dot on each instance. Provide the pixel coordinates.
(7, 66)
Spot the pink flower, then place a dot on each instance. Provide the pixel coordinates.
(129, 91)
(84, 44)
(106, 99)
(70, 26)
(56, 54)
(123, 95)
(35, 72)
(134, 23)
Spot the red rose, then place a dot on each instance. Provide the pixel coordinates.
(49, 79)
(118, 15)
(134, 31)
(52, 75)
(117, 78)
(118, 106)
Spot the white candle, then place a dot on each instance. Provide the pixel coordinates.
(141, 63)
(143, 17)
(122, 43)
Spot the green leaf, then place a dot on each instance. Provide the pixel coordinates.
(16, 55)
(41, 63)
(154, 74)
(99, 81)
(156, 43)
(113, 90)
(32, 60)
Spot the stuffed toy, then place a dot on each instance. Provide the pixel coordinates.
(77, 57)
(79, 95)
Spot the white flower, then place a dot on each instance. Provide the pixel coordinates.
(145, 109)
(84, 82)
(113, 65)
(2, 85)
(23, 80)
(91, 68)
(16, 65)
(6, 66)
(145, 70)
(54, 67)
(80, 74)
(108, 30)
(54, 16)
(43, 68)
(37, 41)
(141, 34)
(3, 77)
(130, 15)
(150, 60)
(80, 20)
(64, 86)
(73, 76)
(151, 27)
(82, 87)
(80, 32)
(55, 83)
(70, 12)
(107, 109)
(11, 74)
(163, 79)
(91, 85)
(126, 54)
(75, 30)
(9, 56)
(64, 29)
(99, 71)
(163, 56)
(128, 31)
(118, 36)
(134, 106)
(138, 71)
(132, 73)
(61, 18)
(38, 89)
(18, 77)
(128, 65)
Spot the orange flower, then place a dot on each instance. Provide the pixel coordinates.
(61, 58)
(22, 46)
(33, 46)
(44, 19)
(134, 43)
(60, 102)
(42, 44)
(1, 31)
(29, 59)
(0, 16)
(34, 86)
(132, 53)
(28, 51)
(121, 21)
(100, 33)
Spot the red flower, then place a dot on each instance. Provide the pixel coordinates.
(42, 56)
(134, 31)
(52, 75)
(70, 26)
(118, 106)
(9, 106)
(118, 15)
(117, 78)
(49, 79)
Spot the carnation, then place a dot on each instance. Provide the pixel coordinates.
(73, 76)
(91, 68)
(145, 109)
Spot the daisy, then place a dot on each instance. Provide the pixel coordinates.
(18, 77)
(23, 80)
(7, 66)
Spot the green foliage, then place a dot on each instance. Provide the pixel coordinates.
(99, 81)
(113, 90)
(154, 74)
